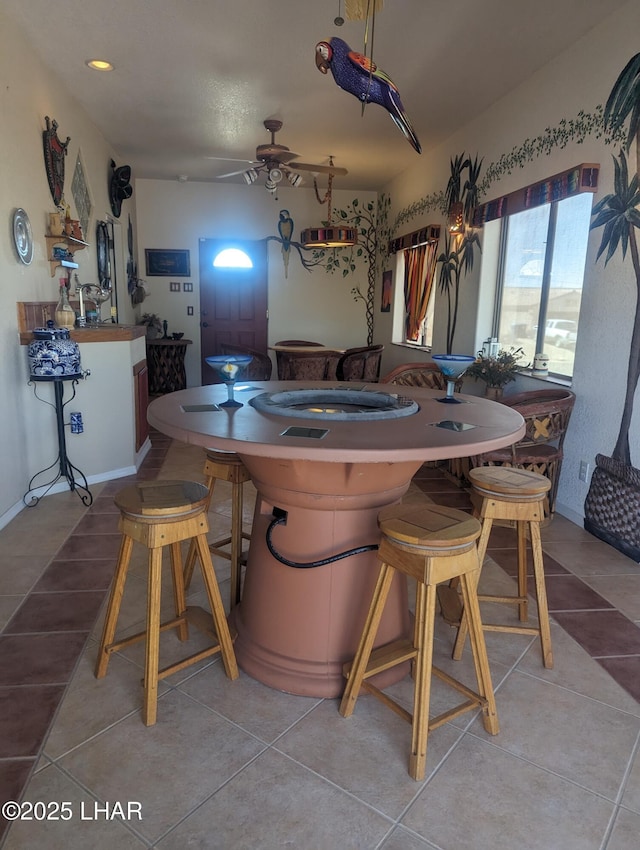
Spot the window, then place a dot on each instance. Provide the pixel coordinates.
(232, 258)
(414, 294)
(540, 273)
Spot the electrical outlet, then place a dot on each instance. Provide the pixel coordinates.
(189, 311)
(583, 474)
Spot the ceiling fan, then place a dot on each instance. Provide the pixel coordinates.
(277, 161)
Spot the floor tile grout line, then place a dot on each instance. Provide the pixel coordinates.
(177, 687)
(493, 742)
(79, 784)
(539, 678)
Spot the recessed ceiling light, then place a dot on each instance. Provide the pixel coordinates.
(99, 65)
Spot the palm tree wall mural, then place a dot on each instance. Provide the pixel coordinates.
(456, 261)
(612, 507)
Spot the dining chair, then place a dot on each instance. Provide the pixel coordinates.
(283, 357)
(307, 365)
(419, 375)
(360, 364)
(546, 414)
(260, 367)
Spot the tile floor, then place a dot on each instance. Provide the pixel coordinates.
(238, 765)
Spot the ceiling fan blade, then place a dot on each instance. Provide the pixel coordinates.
(230, 174)
(318, 169)
(231, 159)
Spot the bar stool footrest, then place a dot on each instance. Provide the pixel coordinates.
(503, 600)
(384, 657)
(117, 645)
(516, 630)
(188, 661)
(216, 549)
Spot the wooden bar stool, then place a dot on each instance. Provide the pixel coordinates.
(225, 466)
(432, 545)
(515, 495)
(159, 514)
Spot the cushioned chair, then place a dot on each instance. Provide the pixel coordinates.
(419, 375)
(260, 367)
(546, 414)
(307, 365)
(360, 364)
(283, 358)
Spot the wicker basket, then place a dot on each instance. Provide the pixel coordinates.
(612, 506)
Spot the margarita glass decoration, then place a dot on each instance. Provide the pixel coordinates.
(452, 366)
(228, 366)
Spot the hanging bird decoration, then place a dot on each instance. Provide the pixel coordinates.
(362, 78)
(285, 229)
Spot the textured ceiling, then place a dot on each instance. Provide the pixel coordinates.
(195, 79)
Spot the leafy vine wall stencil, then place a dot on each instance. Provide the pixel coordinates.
(574, 130)
(375, 230)
(371, 222)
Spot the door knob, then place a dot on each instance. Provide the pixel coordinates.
(204, 325)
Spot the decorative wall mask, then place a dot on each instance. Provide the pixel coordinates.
(54, 154)
(120, 188)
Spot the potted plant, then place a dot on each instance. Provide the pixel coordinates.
(153, 324)
(497, 371)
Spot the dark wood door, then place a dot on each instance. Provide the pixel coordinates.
(233, 301)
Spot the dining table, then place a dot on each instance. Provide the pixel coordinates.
(325, 458)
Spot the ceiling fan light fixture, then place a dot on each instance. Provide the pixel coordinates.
(294, 179)
(250, 176)
(329, 237)
(275, 175)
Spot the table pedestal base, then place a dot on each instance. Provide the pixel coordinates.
(296, 627)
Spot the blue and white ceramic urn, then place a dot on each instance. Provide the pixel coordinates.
(53, 354)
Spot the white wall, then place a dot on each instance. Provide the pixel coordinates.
(28, 93)
(579, 79)
(303, 305)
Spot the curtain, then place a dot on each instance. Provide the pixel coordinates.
(419, 272)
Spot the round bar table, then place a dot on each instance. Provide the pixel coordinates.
(296, 627)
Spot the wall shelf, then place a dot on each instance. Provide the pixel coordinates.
(72, 245)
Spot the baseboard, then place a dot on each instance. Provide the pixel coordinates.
(571, 515)
(62, 486)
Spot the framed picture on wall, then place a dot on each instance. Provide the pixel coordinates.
(385, 303)
(167, 263)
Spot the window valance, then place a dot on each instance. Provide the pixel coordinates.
(580, 178)
(430, 233)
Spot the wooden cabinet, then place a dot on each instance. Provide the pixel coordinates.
(166, 365)
(141, 396)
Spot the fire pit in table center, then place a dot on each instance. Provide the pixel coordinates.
(336, 404)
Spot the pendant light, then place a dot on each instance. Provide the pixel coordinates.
(331, 235)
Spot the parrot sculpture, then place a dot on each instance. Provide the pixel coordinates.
(361, 77)
(285, 229)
